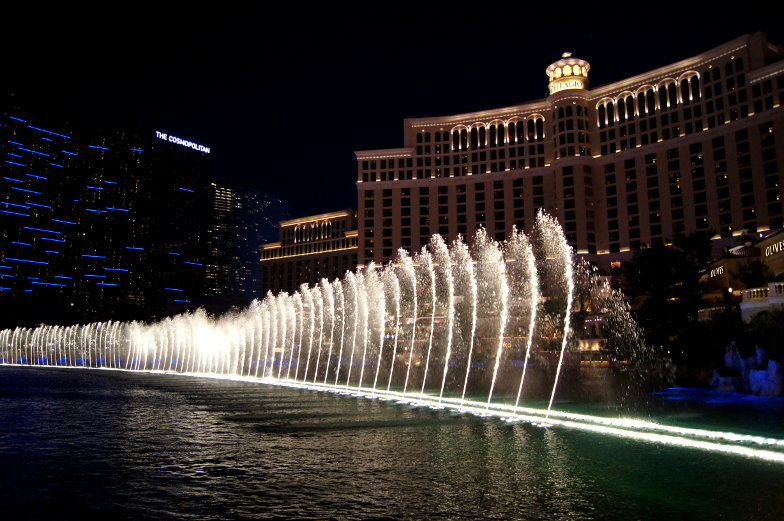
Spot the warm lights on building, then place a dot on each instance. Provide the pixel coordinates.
(690, 147)
(568, 73)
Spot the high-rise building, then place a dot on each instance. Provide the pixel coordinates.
(98, 225)
(241, 220)
(692, 146)
(310, 248)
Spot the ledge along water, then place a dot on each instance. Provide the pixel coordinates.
(430, 330)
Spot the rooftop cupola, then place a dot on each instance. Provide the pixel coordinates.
(568, 73)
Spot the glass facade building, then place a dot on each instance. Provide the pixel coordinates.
(98, 225)
(242, 219)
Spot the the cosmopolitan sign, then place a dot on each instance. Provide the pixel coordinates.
(183, 142)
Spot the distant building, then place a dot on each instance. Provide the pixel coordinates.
(694, 146)
(98, 225)
(241, 220)
(762, 260)
(310, 248)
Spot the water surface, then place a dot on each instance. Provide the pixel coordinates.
(77, 444)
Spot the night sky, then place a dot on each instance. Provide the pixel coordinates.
(285, 95)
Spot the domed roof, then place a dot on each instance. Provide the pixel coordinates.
(568, 73)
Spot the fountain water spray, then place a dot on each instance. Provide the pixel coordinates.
(480, 309)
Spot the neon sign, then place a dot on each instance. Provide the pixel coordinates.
(183, 142)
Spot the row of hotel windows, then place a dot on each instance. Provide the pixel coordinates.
(327, 229)
(494, 134)
(624, 133)
(287, 276)
(725, 99)
(669, 93)
(448, 202)
(708, 201)
(644, 102)
(663, 112)
(326, 245)
(513, 158)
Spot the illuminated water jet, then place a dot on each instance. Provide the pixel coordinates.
(469, 320)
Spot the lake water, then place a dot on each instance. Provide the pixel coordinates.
(78, 444)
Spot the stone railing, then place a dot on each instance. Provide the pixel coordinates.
(709, 314)
(755, 294)
(756, 300)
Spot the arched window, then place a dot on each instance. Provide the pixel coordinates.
(474, 138)
(455, 140)
(728, 69)
(685, 94)
(427, 137)
(663, 97)
(445, 137)
(520, 131)
(672, 93)
(482, 137)
(511, 129)
(561, 113)
(492, 135)
(540, 130)
(610, 114)
(695, 88)
(501, 135)
(650, 101)
(531, 130)
(629, 108)
(569, 111)
(419, 137)
(463, 139)
(602, 116)
(641, 104)
(621, 110)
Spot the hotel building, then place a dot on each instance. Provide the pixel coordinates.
(97, 225)
(693, 146)
(310, 248)
(241, 219)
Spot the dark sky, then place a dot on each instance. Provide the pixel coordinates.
(284, 94)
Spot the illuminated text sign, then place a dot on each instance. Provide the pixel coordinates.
(566, 84)
(776, 247)
(183, 142)
(715, 272)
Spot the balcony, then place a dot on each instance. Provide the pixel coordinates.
(756, 300)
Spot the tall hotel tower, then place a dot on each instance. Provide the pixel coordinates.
(693, 146)
(98, 225)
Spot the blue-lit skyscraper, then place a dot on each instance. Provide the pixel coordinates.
(99, 225)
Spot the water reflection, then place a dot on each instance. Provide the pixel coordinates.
(136, 446)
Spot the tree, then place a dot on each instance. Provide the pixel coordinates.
(753, 274)
(664, 285)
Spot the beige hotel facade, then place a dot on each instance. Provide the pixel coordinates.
(693, 146)
(310, 248)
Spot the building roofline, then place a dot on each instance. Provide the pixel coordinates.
(318, 217)
(384, 153)
(543, 104)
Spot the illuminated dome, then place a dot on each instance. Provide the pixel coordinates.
(568, 73)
